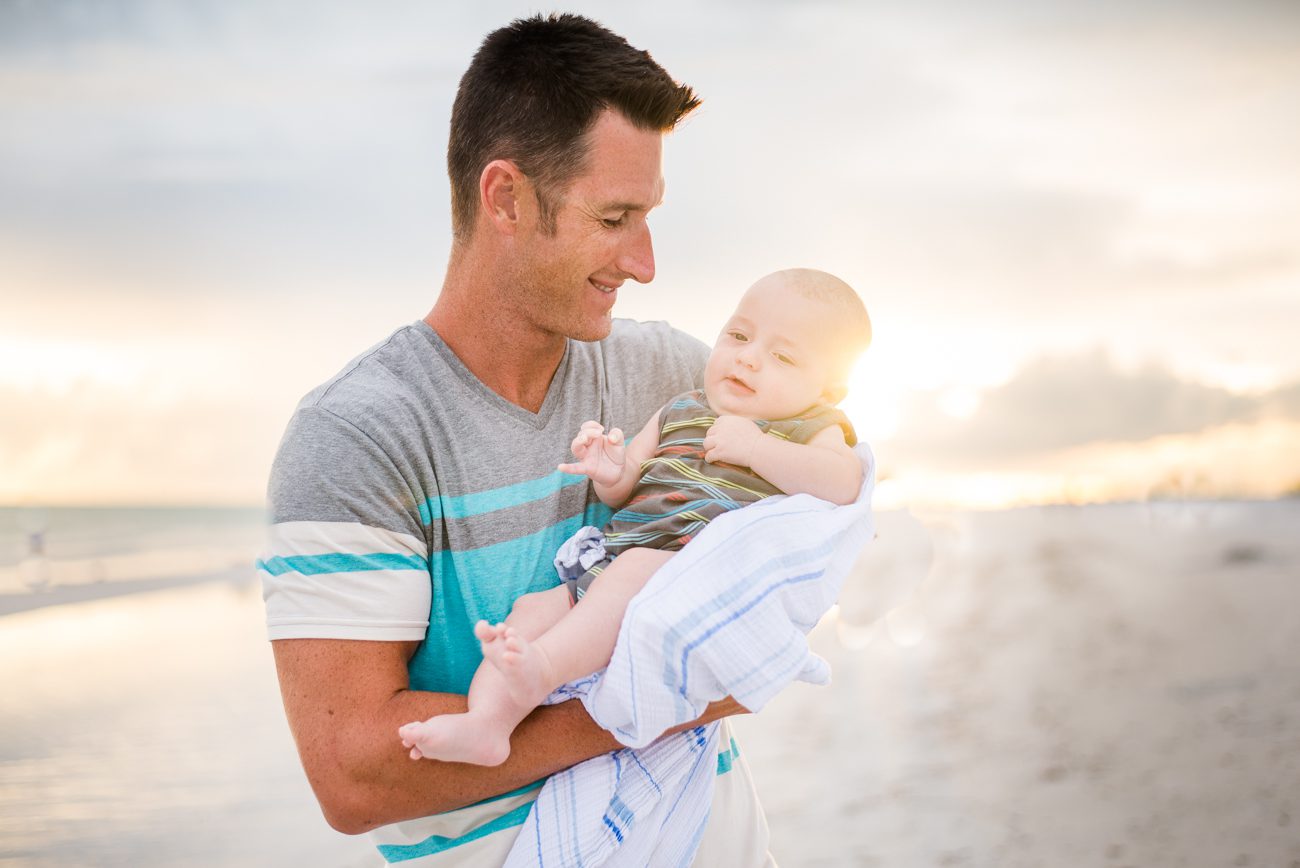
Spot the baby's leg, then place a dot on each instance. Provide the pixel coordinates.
(583, 640)
(482, 735)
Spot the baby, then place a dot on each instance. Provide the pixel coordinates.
(764, 424)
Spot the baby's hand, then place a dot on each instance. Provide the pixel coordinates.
(600, 455)
(732, 440)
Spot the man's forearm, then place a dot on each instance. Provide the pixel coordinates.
(345, 701)
(548, 740)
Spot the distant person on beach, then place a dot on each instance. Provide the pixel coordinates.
(764, 423)
(416, 493)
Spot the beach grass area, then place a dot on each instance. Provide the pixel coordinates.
(1103, 685)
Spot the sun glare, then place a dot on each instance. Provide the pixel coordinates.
(959, 402)
(56, 366)
(873, 405)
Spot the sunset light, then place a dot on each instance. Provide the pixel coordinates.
(172, 288)
(276, 456)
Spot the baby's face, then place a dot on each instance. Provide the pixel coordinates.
(771, 361)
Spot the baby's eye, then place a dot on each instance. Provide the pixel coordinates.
(737, 336)
(784, 359)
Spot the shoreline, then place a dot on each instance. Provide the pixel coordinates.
(67, 595)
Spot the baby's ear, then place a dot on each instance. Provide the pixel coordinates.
(834, 393)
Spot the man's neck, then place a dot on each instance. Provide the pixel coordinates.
(506, 352)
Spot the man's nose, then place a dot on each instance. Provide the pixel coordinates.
(637, 256)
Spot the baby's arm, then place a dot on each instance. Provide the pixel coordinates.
(824, 467)
(612, 467)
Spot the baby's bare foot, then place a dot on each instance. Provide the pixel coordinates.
(527, 670)
(488, 633)
(455, 738)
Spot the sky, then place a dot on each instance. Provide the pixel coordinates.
(1076, 227)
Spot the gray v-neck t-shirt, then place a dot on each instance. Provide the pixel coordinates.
(408, 500)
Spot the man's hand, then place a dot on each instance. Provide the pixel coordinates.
(600, 455)
(732, 439)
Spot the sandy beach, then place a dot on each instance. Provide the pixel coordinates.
(1074, 686)
(1064, 686)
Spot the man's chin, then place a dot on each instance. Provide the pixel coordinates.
(592, 331)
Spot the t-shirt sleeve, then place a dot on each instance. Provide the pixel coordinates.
(346, 555)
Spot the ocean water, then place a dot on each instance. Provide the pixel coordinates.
(1058, 686)
(48, 549)
(140, 721)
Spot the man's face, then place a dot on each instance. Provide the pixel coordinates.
(770, 361)
(567, 281)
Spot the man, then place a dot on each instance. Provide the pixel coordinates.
(416, 492)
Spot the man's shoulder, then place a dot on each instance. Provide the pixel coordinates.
(386, 379)
(355, 436)
(636, 333)
(637, 341)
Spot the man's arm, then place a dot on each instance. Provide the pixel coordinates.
(345, 700)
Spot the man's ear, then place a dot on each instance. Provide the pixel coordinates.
(501, 188)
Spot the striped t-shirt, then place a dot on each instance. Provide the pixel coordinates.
(679, 492)
(408, 500)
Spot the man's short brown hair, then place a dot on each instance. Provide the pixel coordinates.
(531, 93)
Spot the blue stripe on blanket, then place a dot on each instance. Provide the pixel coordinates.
(703, 736)
(726, 603)
(438, 843)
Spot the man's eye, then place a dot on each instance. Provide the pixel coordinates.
(614, 222)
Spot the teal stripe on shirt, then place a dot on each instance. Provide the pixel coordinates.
(484, 583)
(476, 584)
(480, 502)
(439, 843)
(727, 758)
(339, 562)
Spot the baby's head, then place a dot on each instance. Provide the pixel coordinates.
(790, 344)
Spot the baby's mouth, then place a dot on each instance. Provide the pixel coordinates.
(740, 384)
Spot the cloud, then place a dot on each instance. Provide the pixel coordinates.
(1057, 403)
(996, 180)
(94, 444)
(1284, 402)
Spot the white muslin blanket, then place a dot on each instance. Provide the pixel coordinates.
(728, 615)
